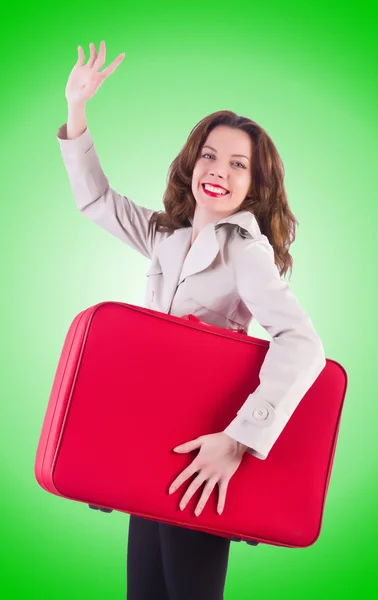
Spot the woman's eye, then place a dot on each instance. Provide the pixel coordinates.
(236, 163)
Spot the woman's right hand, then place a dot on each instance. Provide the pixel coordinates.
(84, 80)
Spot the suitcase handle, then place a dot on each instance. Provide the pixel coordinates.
(192, 317)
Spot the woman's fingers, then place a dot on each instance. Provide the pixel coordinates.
(184, 475)
(193, 487)
(96, 61)
(85, 82)
(205, 494)
(100, 59)
(223, 485)
(81, 58)
(112, 67)
(93, 55)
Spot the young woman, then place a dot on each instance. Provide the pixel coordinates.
(219, 251)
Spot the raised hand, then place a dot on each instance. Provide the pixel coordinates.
(84, 80)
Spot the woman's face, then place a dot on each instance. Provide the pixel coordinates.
(221, 164)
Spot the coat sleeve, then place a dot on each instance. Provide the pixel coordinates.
(97, 201)
(295, 356)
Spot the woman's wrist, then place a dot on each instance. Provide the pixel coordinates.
(76, 120)
(242, 447)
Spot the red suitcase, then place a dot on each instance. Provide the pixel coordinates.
(132, 383)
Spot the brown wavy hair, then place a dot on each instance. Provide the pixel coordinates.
(266, 198)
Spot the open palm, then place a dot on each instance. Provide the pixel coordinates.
(84, 80)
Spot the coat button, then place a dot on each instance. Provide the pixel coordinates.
(260, 414)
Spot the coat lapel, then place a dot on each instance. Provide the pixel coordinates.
(177, 263)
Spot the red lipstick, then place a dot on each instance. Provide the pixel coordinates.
(213, 194)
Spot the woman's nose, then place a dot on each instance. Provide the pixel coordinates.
(220, 172)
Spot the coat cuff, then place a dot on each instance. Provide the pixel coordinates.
(245, 432)
(77, 147)
(257, 425)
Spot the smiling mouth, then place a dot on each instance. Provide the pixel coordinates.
(213, 194)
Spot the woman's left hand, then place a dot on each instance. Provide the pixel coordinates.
(218, 459)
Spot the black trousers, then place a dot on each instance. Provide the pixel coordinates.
(168, 562)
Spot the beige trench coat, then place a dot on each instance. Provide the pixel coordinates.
(227, 278)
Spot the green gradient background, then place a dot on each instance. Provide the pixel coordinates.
(308, 76)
